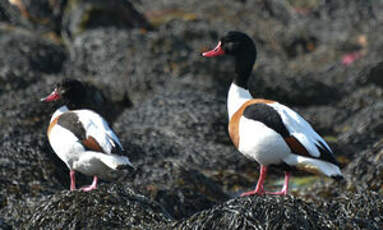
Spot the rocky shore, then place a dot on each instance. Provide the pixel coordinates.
(168, 107)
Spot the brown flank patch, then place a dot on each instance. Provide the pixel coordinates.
(91, 144)
(52, 124)
(296, 147)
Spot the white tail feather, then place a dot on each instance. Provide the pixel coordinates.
(114, 161)
(313, 165)
(90, 158)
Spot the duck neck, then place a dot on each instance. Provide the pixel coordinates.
(239, 92)
(236, 97)
(243, 66)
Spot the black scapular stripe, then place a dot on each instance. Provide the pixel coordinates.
(268, 116)
(325, 154)
(117, 148)
(70, 121)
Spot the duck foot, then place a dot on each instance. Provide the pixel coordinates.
(91, 187)
(259, 189)
(285, 188)
(282, 192)
(251, 193)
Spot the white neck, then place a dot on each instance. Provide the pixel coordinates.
(59, 111)
(236, 97)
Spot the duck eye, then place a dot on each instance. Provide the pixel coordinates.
(62, 91)
(232, 47)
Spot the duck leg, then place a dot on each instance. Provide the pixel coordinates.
(72, 180)
(259, 189)
(92, 186)
(285, 186)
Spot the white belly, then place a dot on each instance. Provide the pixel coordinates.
(260, 143)
(65, 144)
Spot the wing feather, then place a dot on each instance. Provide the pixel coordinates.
(97, 128)
(302, 131)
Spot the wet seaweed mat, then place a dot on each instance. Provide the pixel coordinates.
(348, 211)
(259, 212)
(110, 207)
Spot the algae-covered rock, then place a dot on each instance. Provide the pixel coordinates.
(182, 119)
(3, 14)
(166, 131)
(4, 226)
(297, 90)
(375, 75)
(362, 210)
(372, 74)
(363, 128)
(259, 212)
(346, 211)
(366, 170)
(109, 58)
(82, 15)
(25, 56)
(42, 16)
(181, 190)
(71, 17)
(100, 43)
(108, 207)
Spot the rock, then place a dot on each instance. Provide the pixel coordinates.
(168, 171)
(33, 177)
(274, 212)
(366, 170)
(41, 16)
(134, 63)
(323, 118)
(361, 98)
(373, 75)
(108, 58)
(3, 15)
(73, 16)
(25, 57)
(352, 210)
(107, 207)
(18, 210)
(181, 190)
(3, 201)
(82, 15)
(8, 12)
(362, 129)
(301, 91)
(4, 226)
(258, 212)
(26, 167)
(174, 122)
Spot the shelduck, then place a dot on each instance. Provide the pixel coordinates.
(265, 130)
(81, 138)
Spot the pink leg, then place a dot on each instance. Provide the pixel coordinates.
(259, 189)
(92, 186)
(72, 180)
(285, 186)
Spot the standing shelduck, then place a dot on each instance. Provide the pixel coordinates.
(266, 131)
(81, 137)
